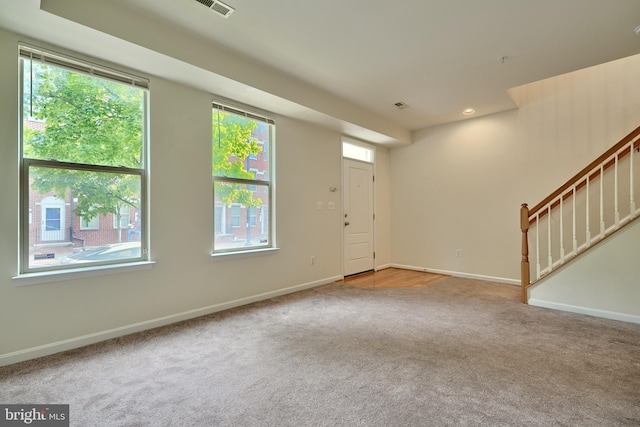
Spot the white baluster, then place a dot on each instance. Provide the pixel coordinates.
(550, 258)
(575, 235)
(615, 194)
(588, 231)
(561, 230)
(537, 245)
(601, 200)
(632, 202)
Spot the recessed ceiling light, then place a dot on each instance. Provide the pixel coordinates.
(468, 111)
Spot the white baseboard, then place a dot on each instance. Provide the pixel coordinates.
(623, 317)
(459, 274)
(69, 344)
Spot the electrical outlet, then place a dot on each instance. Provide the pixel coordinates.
(459, 253)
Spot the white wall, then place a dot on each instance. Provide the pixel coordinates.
(603, 282)
(382, 207)
(185, 281)
(444, 197)
(460, 186)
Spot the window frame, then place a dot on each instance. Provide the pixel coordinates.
(68, 63)
(268, 182)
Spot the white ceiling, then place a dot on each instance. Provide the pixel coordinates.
(439, 57)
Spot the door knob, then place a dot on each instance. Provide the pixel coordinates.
(346, 223)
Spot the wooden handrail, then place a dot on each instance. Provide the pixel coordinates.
(582, 182)
(580, 175)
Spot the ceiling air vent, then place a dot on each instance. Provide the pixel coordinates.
(401, 105)
(217, 6)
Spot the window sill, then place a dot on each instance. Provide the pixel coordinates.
(243, 254)
(79, 273)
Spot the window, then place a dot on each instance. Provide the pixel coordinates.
(255, 173)
(242, 179)
(356, 151)
(122, 217)
(82, 146)
(253, 219)
(219, 219)
(90, 224)
(235, 215)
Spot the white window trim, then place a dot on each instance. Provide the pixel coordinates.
(219, 256)
(257, 115)
(54, 276)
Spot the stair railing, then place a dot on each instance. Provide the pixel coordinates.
(589, 207)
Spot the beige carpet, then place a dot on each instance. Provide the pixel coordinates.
(456, 352)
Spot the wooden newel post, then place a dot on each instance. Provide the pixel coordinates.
(524, 265)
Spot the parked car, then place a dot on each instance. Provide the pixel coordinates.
(116, 251)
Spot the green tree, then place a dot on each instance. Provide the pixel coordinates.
(232, 145)
(88, 121)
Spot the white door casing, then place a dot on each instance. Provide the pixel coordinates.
(358, 218)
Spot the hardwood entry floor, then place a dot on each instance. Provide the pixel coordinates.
(393, 278)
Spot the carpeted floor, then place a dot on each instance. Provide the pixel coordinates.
(456, 352)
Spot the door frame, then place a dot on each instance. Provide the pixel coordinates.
(372, 162)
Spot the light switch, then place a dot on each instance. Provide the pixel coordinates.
(319, 206)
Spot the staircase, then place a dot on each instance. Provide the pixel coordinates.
(595, 204)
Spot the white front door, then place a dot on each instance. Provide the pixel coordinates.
(53, 221)
(358, 217)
